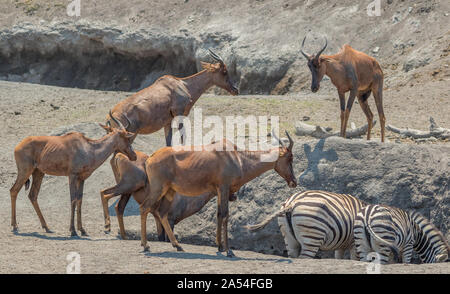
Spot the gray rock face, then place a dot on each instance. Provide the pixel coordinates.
(412, 177)
(91, 56)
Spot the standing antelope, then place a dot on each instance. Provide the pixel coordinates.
(314, 220)
(387, 230)
(154, 107)
(72, 155)
(132, 180)
(354, 71)
(217, 170)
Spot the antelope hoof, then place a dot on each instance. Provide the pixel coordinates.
(146, 248)
(221, 248)
(230, 253)
(83, 232)
(73, 234)
(15, 229)
(107, 229)
(47, 230)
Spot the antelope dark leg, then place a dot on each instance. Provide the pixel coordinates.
(164, 210)
(74, 184)
(120, 208)
(366, 109)
(168, 134)
(23, 175)
(342, 105)
(222, 220)
(34, 191)
(350, 101)
(378, 95)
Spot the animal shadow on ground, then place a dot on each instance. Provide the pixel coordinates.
(48, 236)
(217, 256)
(132, 207)
(314, 158)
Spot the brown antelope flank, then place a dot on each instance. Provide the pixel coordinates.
(154, 107)
(72, 155)
(132, 181)
(354, 71)
(214, 169)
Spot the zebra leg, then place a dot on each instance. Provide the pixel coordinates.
(309, 251)
(353, 253)
(407, 253)
(292, 245)
(362, 246)
(339, 254)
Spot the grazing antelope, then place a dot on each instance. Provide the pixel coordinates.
(354, 71)
(217, 170)
(394, 234)
(72, 155)
(132, 180)
(314, 220)
(154, 107)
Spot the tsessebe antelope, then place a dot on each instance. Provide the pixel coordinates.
(72, 155)
(350, 71)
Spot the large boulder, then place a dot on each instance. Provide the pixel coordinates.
(412, 177)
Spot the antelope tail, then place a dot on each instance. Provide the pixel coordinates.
(27, 184)
(265, 222)
(391, 246)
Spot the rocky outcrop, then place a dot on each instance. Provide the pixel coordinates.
(116, 46)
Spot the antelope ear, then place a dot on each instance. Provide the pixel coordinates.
(106, 128)
(210, 67)
(206, 65)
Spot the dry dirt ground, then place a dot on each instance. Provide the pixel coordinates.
(27, 109)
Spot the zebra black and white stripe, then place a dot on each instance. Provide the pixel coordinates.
(314, 220)
(391, 231)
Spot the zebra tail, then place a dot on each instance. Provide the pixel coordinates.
(265, 222)
(391, 246)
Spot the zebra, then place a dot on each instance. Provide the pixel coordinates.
(394, 233)
(314, 220)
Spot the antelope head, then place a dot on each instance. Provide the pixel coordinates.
(220, 76)
(316, 66)
(125, 138)
(283, 165)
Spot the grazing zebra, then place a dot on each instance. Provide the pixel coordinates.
(314, 220)
(394, 233)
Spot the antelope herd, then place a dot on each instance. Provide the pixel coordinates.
(173, 184)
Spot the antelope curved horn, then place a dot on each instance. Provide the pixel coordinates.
(291, 142)
(128, 121)
(278, 139)
(307, 56)
(116, 121)
(320, 52)
(215, 56)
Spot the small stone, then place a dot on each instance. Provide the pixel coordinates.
(376, 50)
(306, 118)
(17, 112)
(55, 107)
